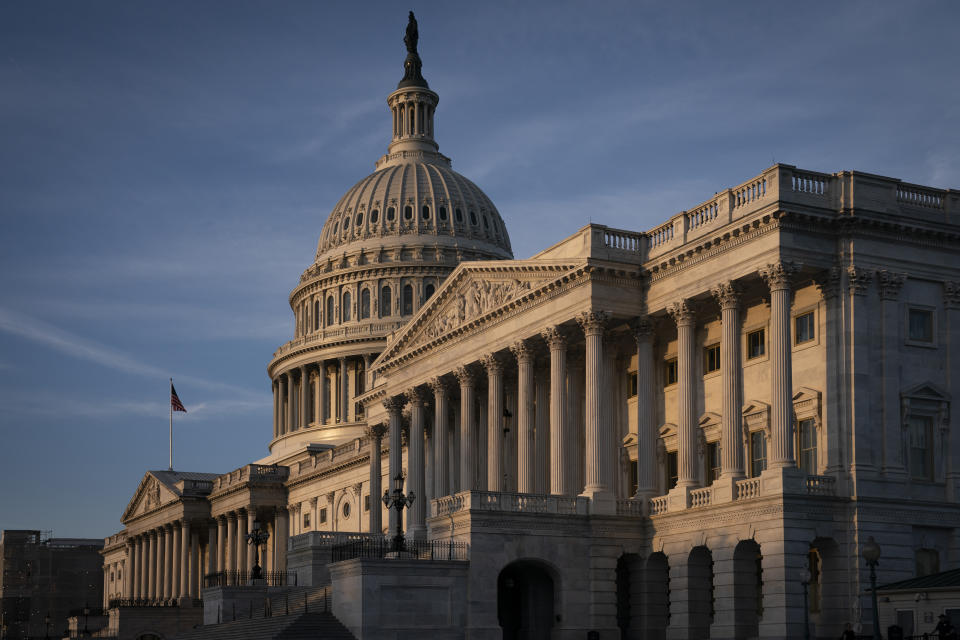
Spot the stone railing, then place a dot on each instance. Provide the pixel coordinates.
(701, 497)
(630, 507)
(749, 488)
(621, 240)
(821, 485)
(117, 538)
(658, 505)
(509, 502)
(918, 196)
(322, 539)
(252, 472)
(364, 330)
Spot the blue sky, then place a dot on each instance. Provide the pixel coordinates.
(166, 168)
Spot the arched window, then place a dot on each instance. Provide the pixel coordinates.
(408, 213)
(458, 214)
(426, 212)
(443, 214)
(374, 216)
(407, 300)
(391, 212)
(336, 227)
(359, 222)
(330, 311)
(486, 222)
(316, 315)
(345, 309)
(346, 223)
(473, 218)
(428, 291)
(385, 302)
(365, 304)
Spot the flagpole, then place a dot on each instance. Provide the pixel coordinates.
(171, 424)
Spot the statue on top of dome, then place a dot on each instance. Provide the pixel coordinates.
(413, 36)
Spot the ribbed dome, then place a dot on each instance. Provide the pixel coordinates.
(417, 203)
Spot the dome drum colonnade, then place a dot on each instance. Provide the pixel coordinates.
(551, 456)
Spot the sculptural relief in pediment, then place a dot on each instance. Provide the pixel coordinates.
(474, 299)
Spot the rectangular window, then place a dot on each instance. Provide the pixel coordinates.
(671, 470)
(756, 344)
(670, 372)
(366, 502)
(632, 385)
(905, 620)
(807, 449)
(712, 460)
(323, 515)
(921, 325)
(711, 358)
(921, 452)
(803, 329)
(634, 477)
(758, 453)
(306, 520)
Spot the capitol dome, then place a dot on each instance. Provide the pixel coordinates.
(384, 250)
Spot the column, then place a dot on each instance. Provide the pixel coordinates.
(161, 564)
(194, 563)
(890, 285)
(598, 440)
(136, 569)
(323, 398)
(468, 421)
(394, 406)
(453, 450)
(526, 417)
(375, 433)
(576, 420)
(559, 482)
(230, 561)
(314, 521)
(169, 562)
(416, 516)
(732, 465)
(495, 469)
(480, 445)
(222, 547)
(274, 387)
(151, 558)
(241, 541)
(441, 471)
(646, 426)
(304, 397)
(175, 558)
(542, 435)
(317, 393)
(281, 525)
(128, 572)
(777, 277)
(829, 283)
(951, 309)
(251, 550)
(185, 560)
(291, 409)
(344, 389)
(682, 313)
(213, 547)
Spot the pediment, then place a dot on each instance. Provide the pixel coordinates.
(710, 419)
(926, 391)
(473, 293)
(151, 494)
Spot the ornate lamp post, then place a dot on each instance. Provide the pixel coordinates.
(86, 614)
(871, 553)
(399, 502)
(805, 581)
(257, 537)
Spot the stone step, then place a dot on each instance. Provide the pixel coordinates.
(315, 626)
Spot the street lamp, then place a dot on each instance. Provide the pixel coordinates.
(805, 581)
(871, 553)
(399, 502)
(86, 614)
(257, 537)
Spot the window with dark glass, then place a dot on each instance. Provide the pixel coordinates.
(428, 291)
(711, 358)
(927, 562)
(316, 315)
(345, 309)
(712, 460)
(807, 449)
(408, 213)
(365, 304)
(426, 212)
(374, 216)
(443, 214)
(632, 384)
(670, 372)
(329, 311)
(803, 328)
(758, 453)
(458, 214)
(921, 325)
(407, 300)
(385, 302)
(486, 222)
(359, 221)
(921, 452)
(323, 515)
(306, 519)
(634, 477)
(473, 218)
(671, 470)
(391, 213)
(366, 502)
(756, 344)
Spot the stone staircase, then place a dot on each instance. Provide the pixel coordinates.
(300, 613)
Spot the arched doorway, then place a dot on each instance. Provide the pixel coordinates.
(525, 592)
(747, 589)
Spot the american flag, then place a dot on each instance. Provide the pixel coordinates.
(175, 403)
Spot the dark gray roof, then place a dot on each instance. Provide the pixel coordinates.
(943, 580)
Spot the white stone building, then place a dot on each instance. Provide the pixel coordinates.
(643, 433)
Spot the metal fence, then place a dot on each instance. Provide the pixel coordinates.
(302, 600)
(413, 549)
(244, 579)
(148, 602)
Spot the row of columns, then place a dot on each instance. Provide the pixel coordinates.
(541, 432)
(164, 563)
(412, 119)
(297, 403)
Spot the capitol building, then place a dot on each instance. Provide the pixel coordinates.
(688, 431)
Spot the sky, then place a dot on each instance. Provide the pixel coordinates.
(166, 168)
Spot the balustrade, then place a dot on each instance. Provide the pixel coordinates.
(658, 505)
(701, 497)
(749, 488)
(821, 485)
(919, 197)
(629, 507)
